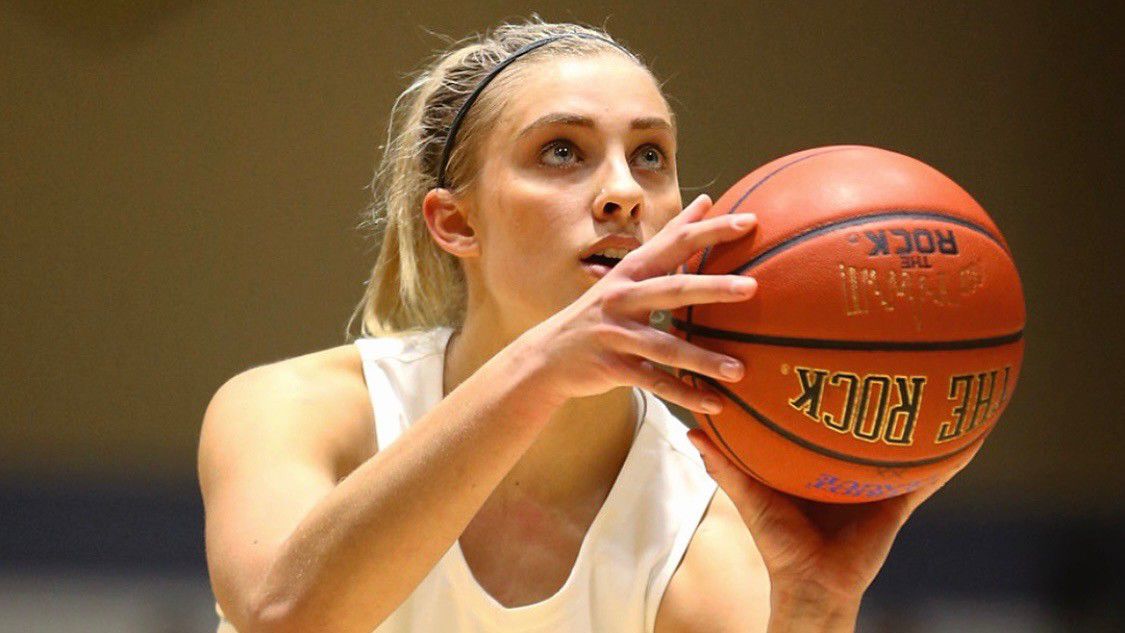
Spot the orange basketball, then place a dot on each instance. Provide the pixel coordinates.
(886, 334)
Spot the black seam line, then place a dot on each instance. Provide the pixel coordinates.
(827, 452)
(814, 343)
(901, 214)
(746, 194)
(730, 452)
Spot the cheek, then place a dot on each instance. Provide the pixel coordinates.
(528, 238)
(530, 222)
(664, 209)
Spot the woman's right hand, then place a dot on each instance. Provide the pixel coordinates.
(603, 340)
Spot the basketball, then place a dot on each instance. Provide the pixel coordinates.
(886, 334)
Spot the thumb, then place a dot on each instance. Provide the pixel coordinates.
(752, 498)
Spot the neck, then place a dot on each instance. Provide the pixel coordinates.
(579, 453)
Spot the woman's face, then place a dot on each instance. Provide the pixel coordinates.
(585, 148)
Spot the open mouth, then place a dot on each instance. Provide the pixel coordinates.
(603, 260)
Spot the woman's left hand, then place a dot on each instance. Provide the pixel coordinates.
(821, 557)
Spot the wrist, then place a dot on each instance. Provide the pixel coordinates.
(525, 363)
(807, 607)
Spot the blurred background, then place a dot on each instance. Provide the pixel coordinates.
(181, 182)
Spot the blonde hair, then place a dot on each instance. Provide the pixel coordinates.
(415, 285)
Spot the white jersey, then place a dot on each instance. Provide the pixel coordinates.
(628, 555)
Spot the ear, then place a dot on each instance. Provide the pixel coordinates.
(449, 225)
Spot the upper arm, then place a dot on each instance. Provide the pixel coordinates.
(273, 443)
(721, 584)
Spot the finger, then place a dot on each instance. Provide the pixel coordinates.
(917, 497)
(962, 459)
(691, 213)
(757, 503)
(644, 374)
(676, 243)
(902, 507)
(669, 292)
(667, 349)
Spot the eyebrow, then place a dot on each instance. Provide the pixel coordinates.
(578, 120)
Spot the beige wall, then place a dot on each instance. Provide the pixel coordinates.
(179, 184)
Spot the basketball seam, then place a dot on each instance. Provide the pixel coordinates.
(814, 343)
(812, 232)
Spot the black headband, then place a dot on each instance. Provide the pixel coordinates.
(452, 135)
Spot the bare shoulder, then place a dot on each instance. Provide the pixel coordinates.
(318, 400)
(275, 440)
(722, 583)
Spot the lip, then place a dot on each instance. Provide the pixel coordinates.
(597, 270)
(610, 241)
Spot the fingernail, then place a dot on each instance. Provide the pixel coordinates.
(711, 404)
(731, 369)
(746, 284)
(744, 220)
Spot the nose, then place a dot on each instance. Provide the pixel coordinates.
(621, 195)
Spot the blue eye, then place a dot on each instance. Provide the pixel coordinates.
(650, 157)
(559, 153)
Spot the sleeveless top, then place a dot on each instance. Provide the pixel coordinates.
(629, 553)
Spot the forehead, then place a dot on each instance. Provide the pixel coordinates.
(608, 87)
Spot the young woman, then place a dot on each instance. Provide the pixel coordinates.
(490, 456)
